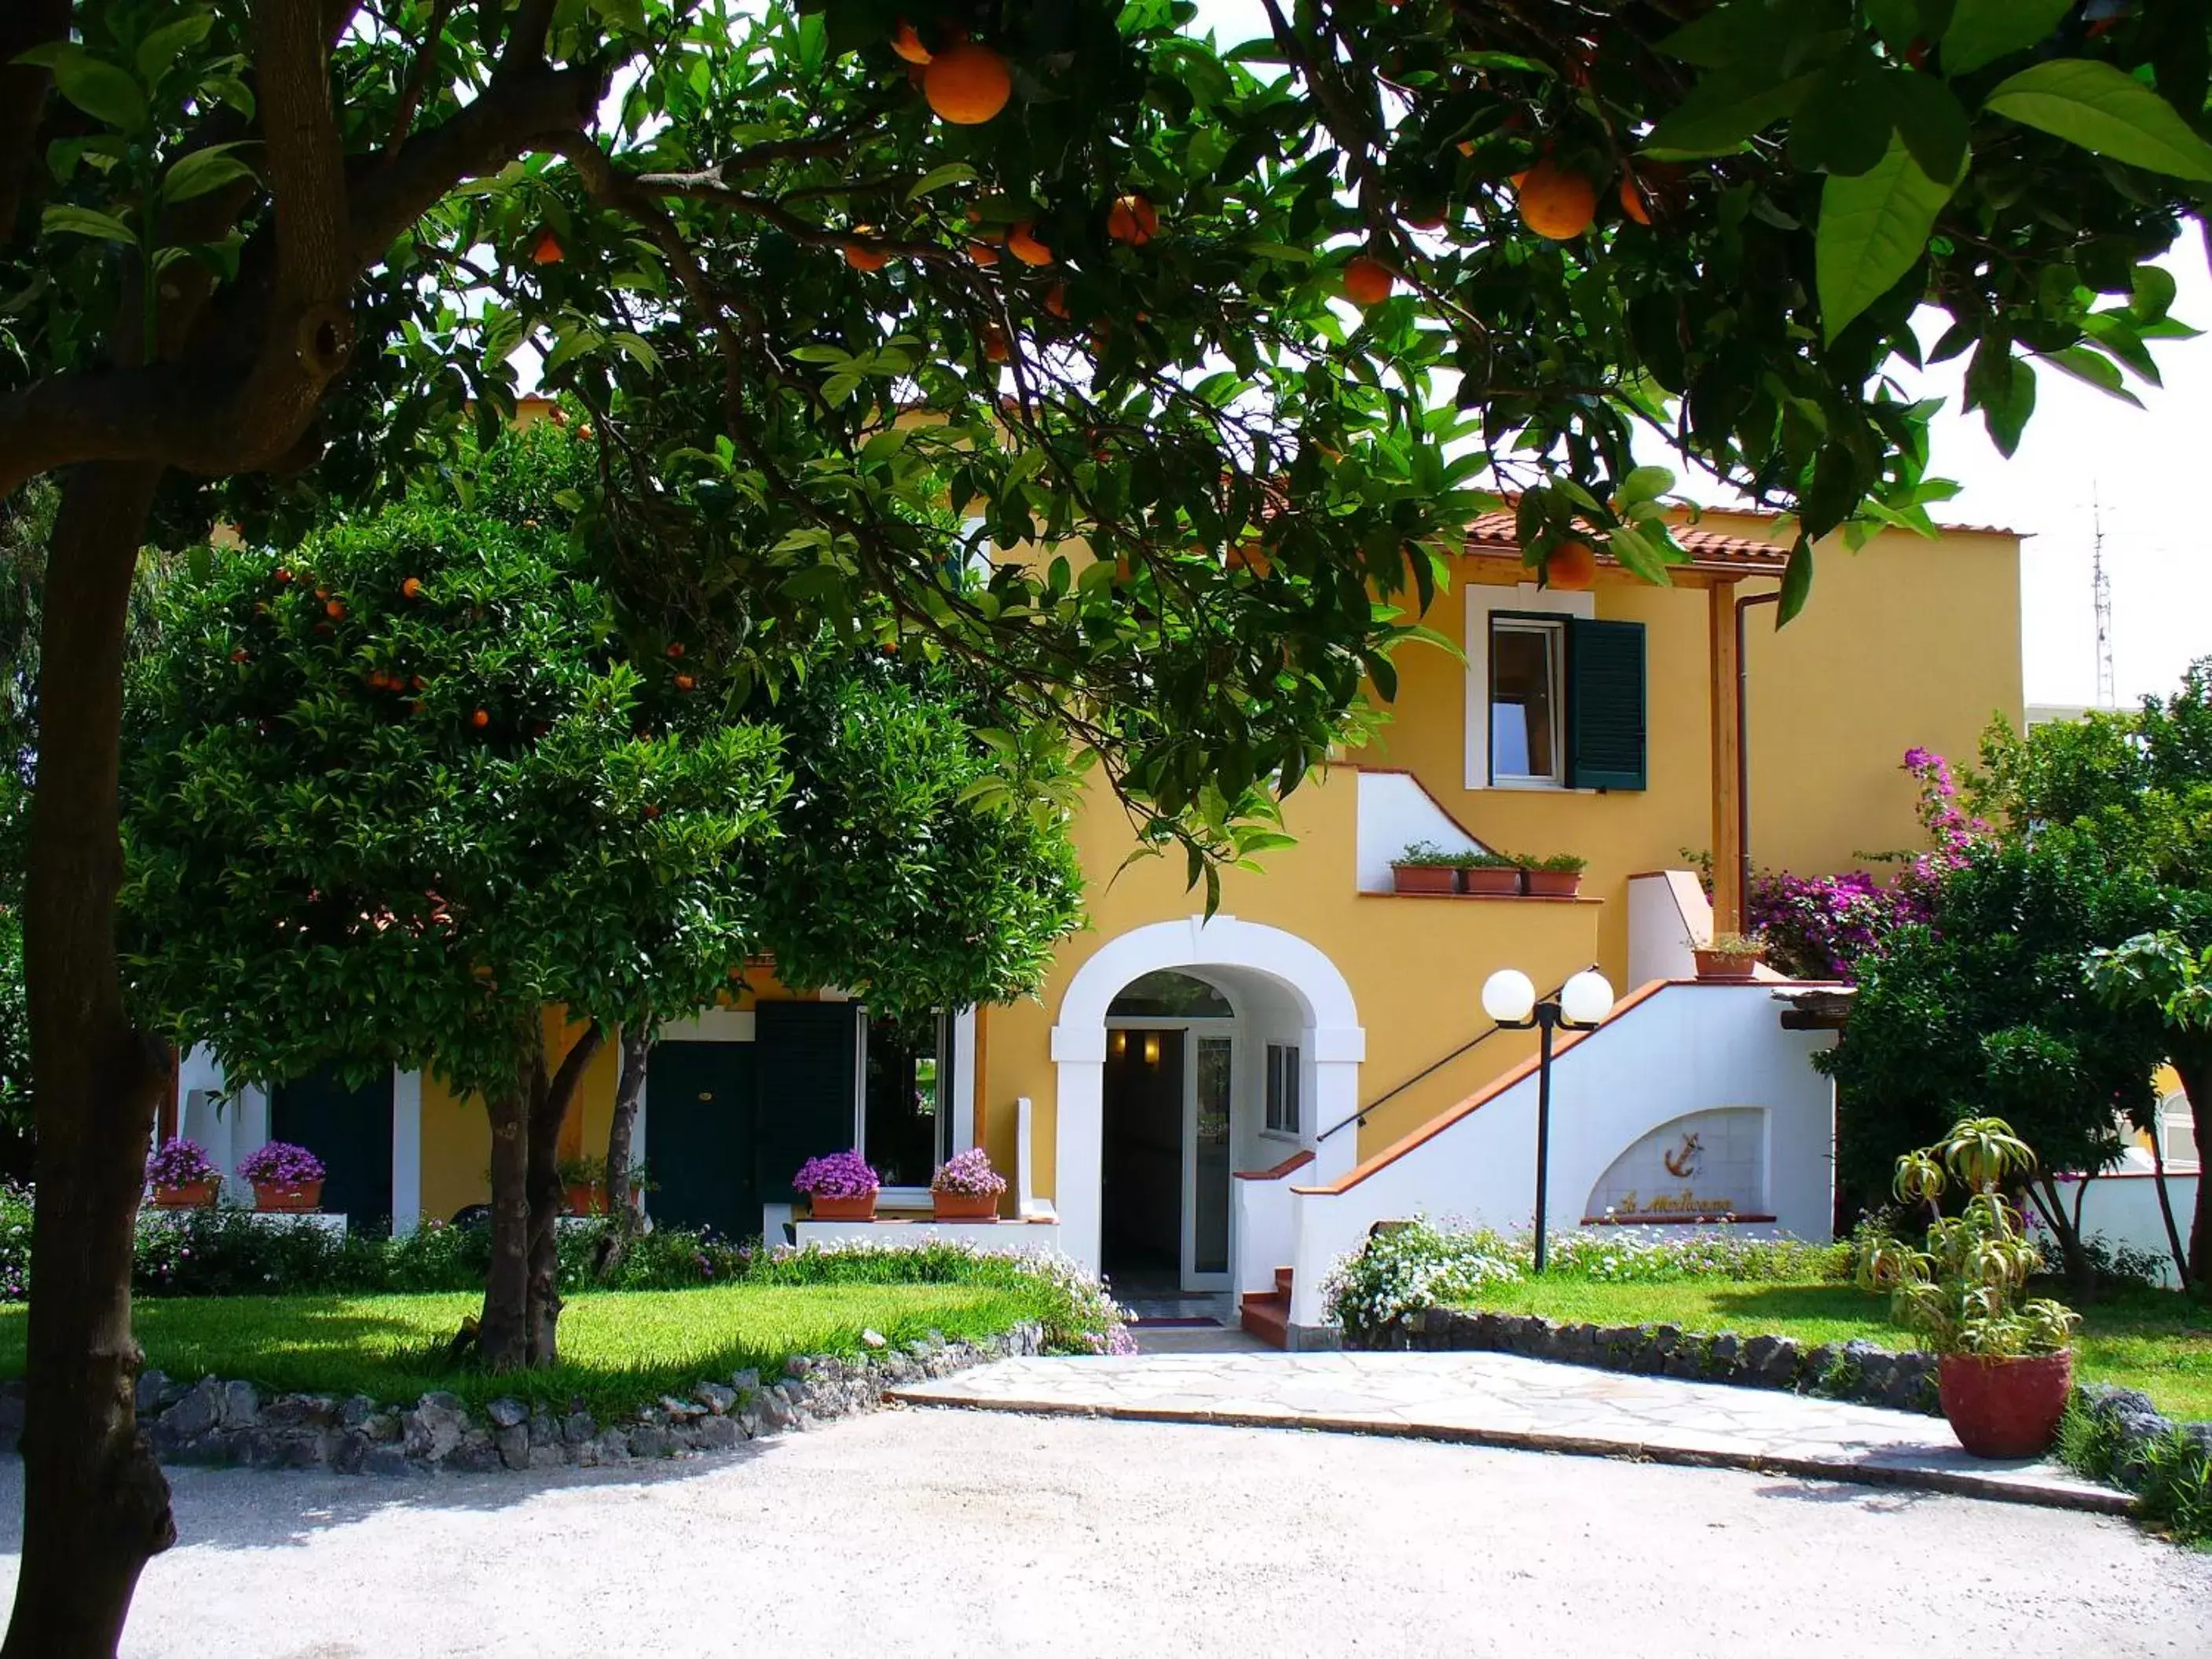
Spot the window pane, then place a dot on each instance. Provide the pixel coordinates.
(1521, 665)
(902, 1136)
(1210, 1200)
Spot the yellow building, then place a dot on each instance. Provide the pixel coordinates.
(1321, 1024)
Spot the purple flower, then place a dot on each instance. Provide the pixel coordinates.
(180, 1163)
(841, 1175)
(280, 1164)
(970, 1173)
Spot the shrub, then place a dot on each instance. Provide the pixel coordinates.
(1562, 864)
(1414, 1264)
(1428, 853)
(2114, 1435)
(180, 1163)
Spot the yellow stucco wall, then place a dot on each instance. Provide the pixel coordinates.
(1906, 642)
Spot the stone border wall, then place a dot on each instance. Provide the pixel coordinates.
(215, 1421)
(1856, 1370)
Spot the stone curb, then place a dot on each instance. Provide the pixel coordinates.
(1856, 1370)
(1963, 1483)
(218, 1421)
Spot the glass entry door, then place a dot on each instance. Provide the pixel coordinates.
(1207, 1094)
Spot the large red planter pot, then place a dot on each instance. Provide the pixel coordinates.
(1490, 880)
(1422, 877)
(1553, 884)
(191, 1196)
(1711, 964)
(963, 1207)
(860, 1206)
(301, 1195)
(2005, 1407)
(585, 1198)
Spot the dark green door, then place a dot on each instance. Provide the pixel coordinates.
(351, 1130)
(699, 1137)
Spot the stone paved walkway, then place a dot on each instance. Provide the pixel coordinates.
(1502, 1399)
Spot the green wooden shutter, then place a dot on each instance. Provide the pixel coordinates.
(804, 1061)
(1606, 703)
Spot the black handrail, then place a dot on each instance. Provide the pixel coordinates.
(1471, 1044)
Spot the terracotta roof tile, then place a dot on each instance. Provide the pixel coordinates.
(1495, 532)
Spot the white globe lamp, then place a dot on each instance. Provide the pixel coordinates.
(1586, 999)
(1509, 996)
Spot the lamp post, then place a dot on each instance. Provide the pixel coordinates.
(1508, 997)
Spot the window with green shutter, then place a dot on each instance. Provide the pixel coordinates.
(806, 1072)
(1606, 705)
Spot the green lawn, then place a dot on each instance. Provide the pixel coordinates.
(2155, 1340)
(619, 1349)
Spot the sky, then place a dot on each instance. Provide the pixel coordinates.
(2082, 446)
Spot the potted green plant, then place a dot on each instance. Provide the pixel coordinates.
(2004, 1364)
(1557, 875)
(1424, 867)
(584, 1185)
(284, 1177)
(184, 1176)
(839, 1187)
(966, 1189)
(1730, 956)
(1493, 875)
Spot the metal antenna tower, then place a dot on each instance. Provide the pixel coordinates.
(2100, 589)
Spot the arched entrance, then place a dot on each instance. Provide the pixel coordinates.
(1289, 1069)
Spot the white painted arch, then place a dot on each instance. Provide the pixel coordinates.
(1333, 1043)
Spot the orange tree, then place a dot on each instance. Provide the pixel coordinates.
(1078, 272)
(403, 787)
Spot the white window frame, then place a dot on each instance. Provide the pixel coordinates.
(1482, 601)
(1290, 1068)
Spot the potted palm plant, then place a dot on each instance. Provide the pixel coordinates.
(1424, 867)
(284, 1177)
(2004, 1364)
(966, 1189)
(1493, 875)
(1557, 875)
(183, 1176)
(1730, 956)
(584, 1185)
(839, 1187)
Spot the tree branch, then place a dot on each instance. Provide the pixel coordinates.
(419, 75)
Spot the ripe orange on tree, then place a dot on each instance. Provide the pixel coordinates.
(1571, 568)
(1022, 243)
(907, 45)
(967, 84)
(1056, 298)
(336, 610)
(862, 257)
(481, 719)
(412, 588)
(684, 682)
(546, 250)
(1367, 281)
(983, 254)
(1133, 220)
(1556, 202)
(1632, 200)
(995, 344)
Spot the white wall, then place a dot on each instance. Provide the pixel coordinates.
(1683, 1049)
(1669, 918)
(1394, 812)
(2125, 1208)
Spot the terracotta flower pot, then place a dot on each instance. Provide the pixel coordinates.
(858, 1206)
(1422, 877)
(1553, 884)
(191, 1196)
(1491, 880)
(963, 1207)
(2005, 1407)
(1715, 964)
(585, 1198)
(291, 1198)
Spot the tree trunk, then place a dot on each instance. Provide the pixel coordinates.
(2165, 1204)
(636, 1046)
(2192, 1063)
(2081, 1277)
(549, 1105)
(95, 1506)
(502, 1333)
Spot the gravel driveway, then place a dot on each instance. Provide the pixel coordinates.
(961, 1532)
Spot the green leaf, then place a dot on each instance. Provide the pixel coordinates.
(1646, 483)
(2092, 368)
(1638, 555)
(952, 172)
(1930, 119)
(1797, 583)
(1725, 108)
(101, 91)
(1874, 228)
(63, 219)
(2096, 107)
(202, 171)
(162, 47)
(1983, 31)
